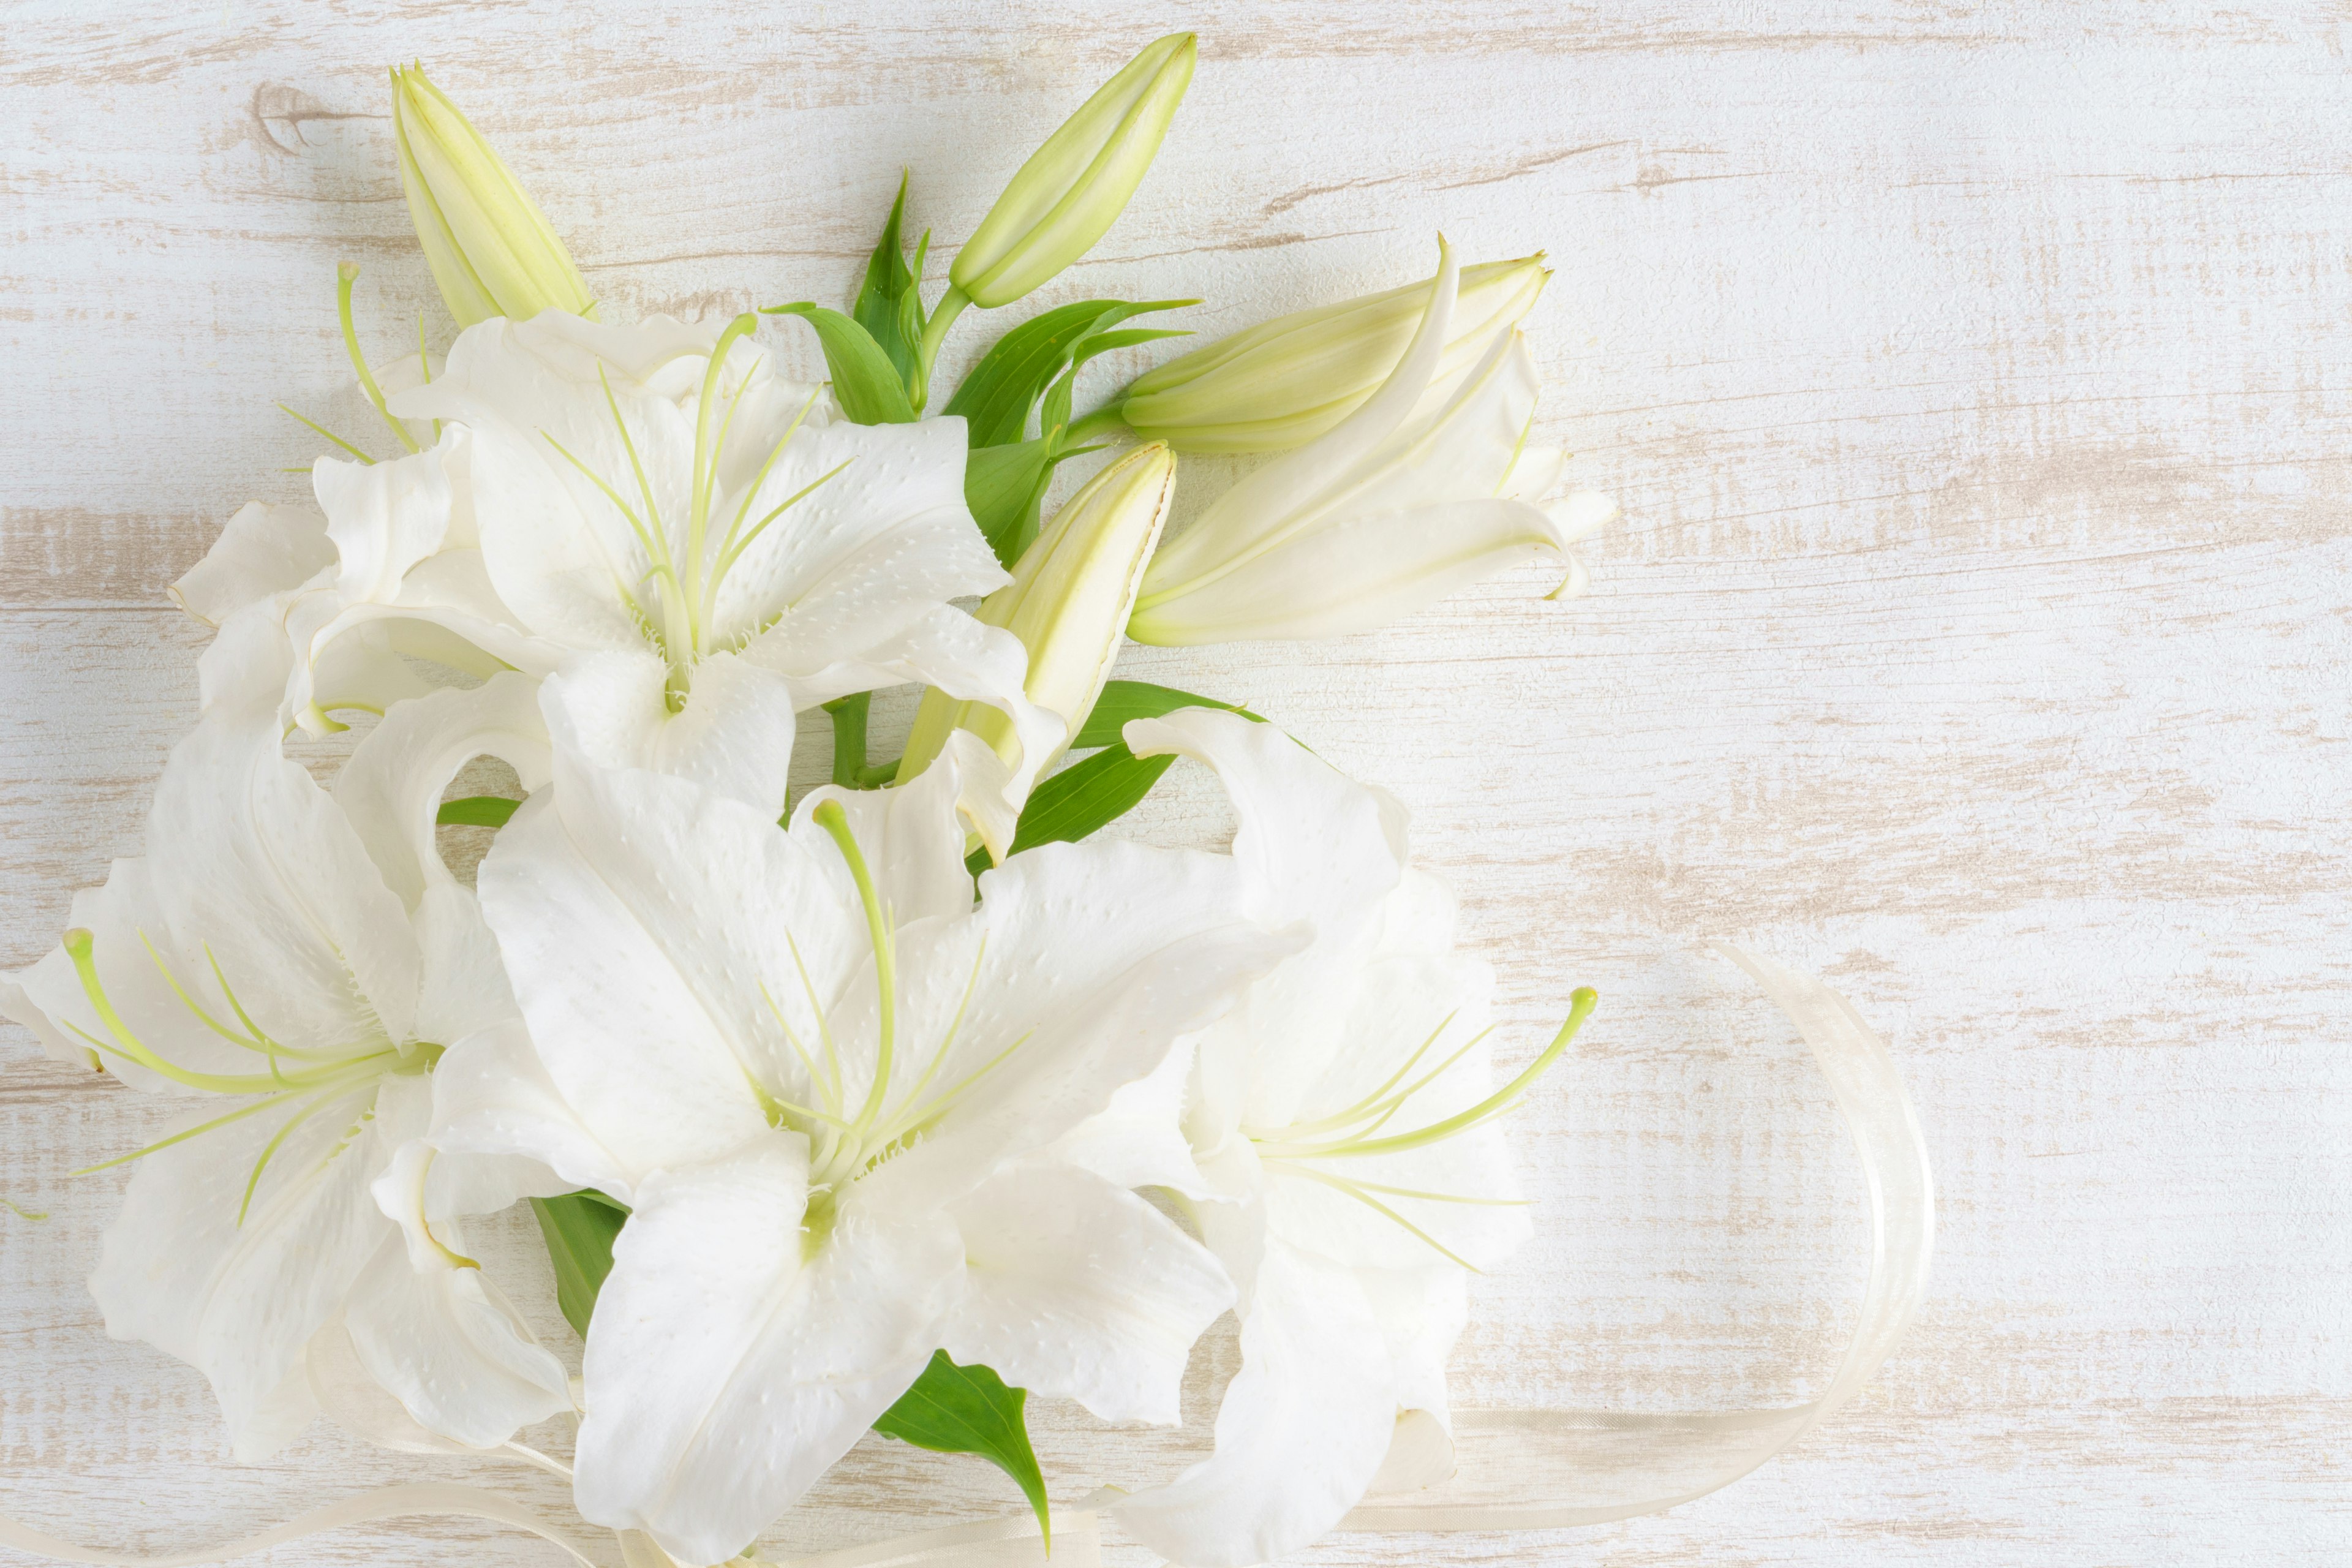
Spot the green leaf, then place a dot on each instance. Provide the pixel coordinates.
(579, 1228)
(955, 1409)
(1124, 700)
(1002, 390)
(477, 811)
(889, 306)
(865, 382)
(1005, 489)
(1082, 798)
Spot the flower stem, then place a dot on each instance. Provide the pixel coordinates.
(935, 332)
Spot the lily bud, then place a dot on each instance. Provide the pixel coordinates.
(489, 245)
(1402, 502)
(1071, 593)
(1071, 188)
(1284, 383)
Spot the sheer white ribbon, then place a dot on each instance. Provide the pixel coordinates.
(1512, 1469)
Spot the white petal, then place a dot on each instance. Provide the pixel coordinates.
(390, 788)
(1353, 574)
(1398, 1003)
(253, 862)
(240, 1301)
(451, 1348)
(723, 1373)
(263, 551)
(1084, 964)
(945, 647)
(256, 873)
(1138, 1140)
(734, 734)
(1303, 1430)
(1422, 1312)
(493, 1100)
(854, 563)
(1076, 1290)
(656, 934)
(1315, 847)
(1239, 518)
(912, 835)
(384, 518)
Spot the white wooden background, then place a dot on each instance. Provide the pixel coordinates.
(1975, 380)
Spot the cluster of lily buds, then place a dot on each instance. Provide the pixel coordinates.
(1403, 414)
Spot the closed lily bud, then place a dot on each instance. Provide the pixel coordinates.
(1071, 593)
(1404, 501)
(1283, 383)
(489, 245)
(1071, 188)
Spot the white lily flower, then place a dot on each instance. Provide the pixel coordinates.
(685, 558)
(261, 954)
(1341, 1145)
(1402, 503)
(827, 1083)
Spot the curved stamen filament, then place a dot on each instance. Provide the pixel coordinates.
(1362, 1193)
(735, 552)
(346, 274)
(835, 1092)
(726, 552)
(1365, 1106)
(1580, 1006)
(908, 1118)
(706, 472)
(79, 945)
(330, 435)
(253, 1039)
(835, 823)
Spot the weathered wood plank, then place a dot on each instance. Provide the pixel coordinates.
(1975, 633)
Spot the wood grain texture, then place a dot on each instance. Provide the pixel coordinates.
(1978, 633)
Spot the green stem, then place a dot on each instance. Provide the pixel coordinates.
(848, 715)
(1101, 422)
(935, 332)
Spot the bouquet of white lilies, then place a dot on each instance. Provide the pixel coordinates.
(897, 1104)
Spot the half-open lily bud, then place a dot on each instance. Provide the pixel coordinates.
(489, 245)
(1404, 501)
(1070, 597)
(1071, 188)
(1285, 383)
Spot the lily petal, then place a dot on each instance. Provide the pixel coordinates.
(1303, 1430)
(724, 1374)
(1075, 1288)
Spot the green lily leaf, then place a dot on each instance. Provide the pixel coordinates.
(579, 1228)
(889, 306)
(865, 382)
(1002, 390)
(1081, 798)
(955, 1409)
(1005, 489)
(477, 811)
(1124, 700)
(1091, 794)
